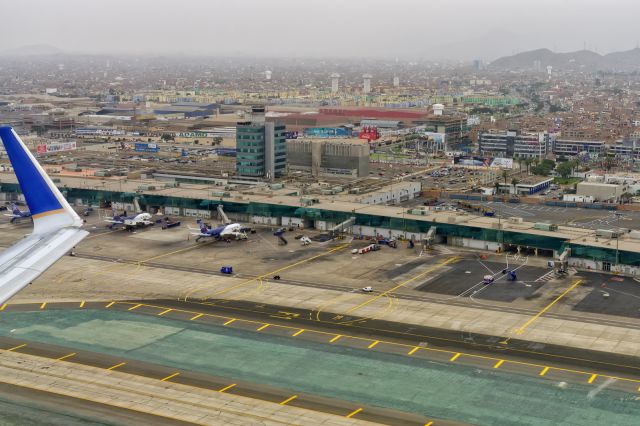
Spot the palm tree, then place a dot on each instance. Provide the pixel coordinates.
(505, 175)
(514, 182)
(528, 162)
(497, 185)
(520, 160)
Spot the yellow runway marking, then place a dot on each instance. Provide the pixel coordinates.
(413, 351)
(227, 387)
(4, 305)
(165, 312)
(546, 308)
(110, 305)
(299, 332)
(196, 317)
(82, 304)
(408, 347)
(230, 321)
(286, 401)
(402, 284)
(428, 424)
(17, 347)
(169, 377)
(43, 305)
(135, 307)
(113, 367)
(62, 358)
(263, 327)
(372, 345)
(592, 378)
(353, 413)
(498, 364)
(337, 336)
(263, 276)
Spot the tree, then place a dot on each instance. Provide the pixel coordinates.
(497, 185)
(515, 182)
(528, 162)
(167, 137)
(217, 140)
(565, 169)
(505, 175)
(626, 197)
(608, 163)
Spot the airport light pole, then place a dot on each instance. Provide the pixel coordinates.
(617, 238)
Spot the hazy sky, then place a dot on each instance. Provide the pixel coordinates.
(442, 29)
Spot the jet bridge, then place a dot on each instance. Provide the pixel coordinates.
(341, 226)
(563, 261)
(430, 238)
(222, 215)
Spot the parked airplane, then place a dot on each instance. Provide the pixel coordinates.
(137, 220)
(56, 227)
(225, 231)
(232, 230)
(17, 214)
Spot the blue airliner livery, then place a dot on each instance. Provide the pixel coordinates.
(56, 227)
(17, 214)
(231, 230)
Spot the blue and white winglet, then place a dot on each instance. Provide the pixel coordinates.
(56, 227)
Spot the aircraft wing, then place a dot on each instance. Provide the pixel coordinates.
(56, 227)
(25, 261)
(113, 221)
(201, 234)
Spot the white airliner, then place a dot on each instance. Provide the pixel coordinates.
(56, 227)
(137, 220)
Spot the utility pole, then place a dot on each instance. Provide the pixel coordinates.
(617, 238)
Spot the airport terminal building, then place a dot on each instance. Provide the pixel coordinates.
(587, 250)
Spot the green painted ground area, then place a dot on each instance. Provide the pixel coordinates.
(440, 390)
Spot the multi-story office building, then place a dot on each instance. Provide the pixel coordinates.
(261, 147)
(629, 149)
(512, 144)
(571, 148)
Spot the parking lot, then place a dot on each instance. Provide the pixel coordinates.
(579, 217)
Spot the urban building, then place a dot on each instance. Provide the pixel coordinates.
(571, 148)
(455, 127)
(335, 81)
(261, 147)
(333, 157)
(600, 191)
(512, 144)
(625, 148)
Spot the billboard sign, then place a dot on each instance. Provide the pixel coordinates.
(476, 161)
(55, 147)
(146, 147)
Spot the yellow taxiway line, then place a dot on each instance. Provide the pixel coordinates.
(546, 308)
(402, 284)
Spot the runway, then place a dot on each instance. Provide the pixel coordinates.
(374, 343)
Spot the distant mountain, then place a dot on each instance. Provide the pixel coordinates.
(628, 60)
(32, 50)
